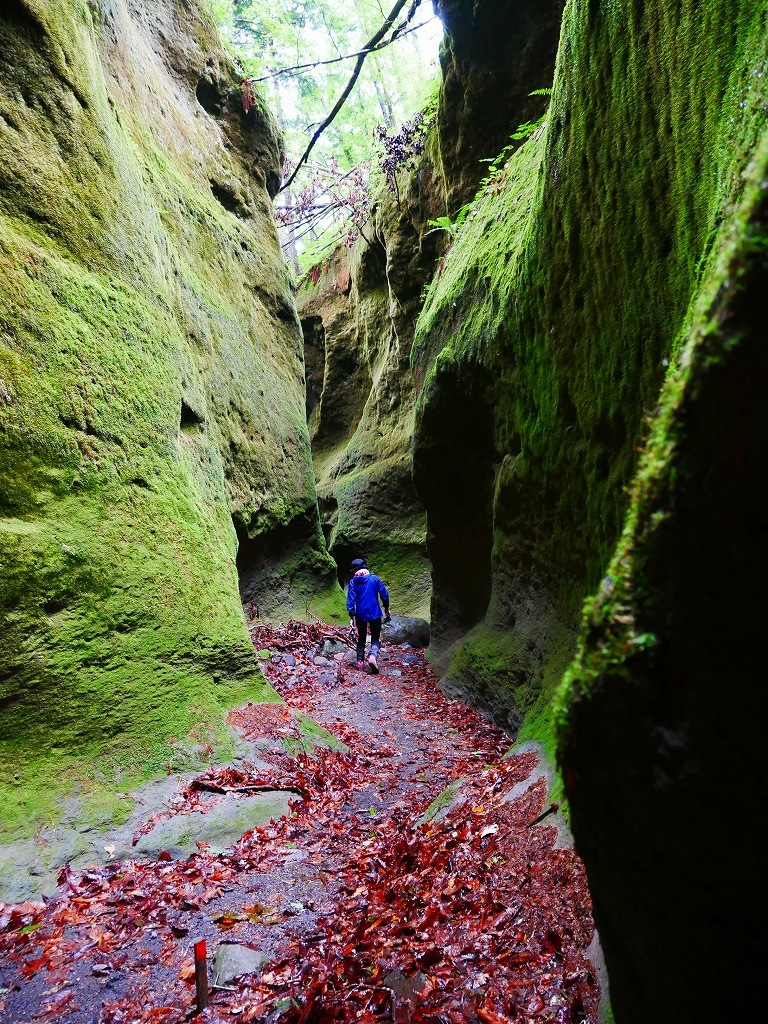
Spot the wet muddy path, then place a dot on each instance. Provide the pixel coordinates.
(364, 904)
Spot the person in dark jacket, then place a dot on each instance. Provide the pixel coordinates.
(363, 596)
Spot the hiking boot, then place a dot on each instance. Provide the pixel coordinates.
(373, 666)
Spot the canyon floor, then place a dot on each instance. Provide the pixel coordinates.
(418, 872)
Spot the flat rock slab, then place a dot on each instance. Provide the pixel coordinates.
(331, 648)
(405, 989)
(219, 827)
(233, 960)
(546, 771)
(29, 868)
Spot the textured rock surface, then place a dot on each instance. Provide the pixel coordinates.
(151, 390)
(406, 630)
(545, 341)
(359, 319)
(663, 713)
(29, 868)
(233, 960)
(221, 826)
(495, 54)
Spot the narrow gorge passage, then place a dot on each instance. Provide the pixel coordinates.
(421, 875)
(473, 290)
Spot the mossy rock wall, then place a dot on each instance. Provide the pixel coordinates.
(151, 391)
(495, 53)
(662, 715)
(546, 337)
(359, 311)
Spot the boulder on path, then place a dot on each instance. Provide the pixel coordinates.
(233, 960)
(403, 629)
(331, 648)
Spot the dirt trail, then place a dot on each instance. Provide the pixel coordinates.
(362, 912)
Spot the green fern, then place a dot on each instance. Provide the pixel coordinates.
(496, 167)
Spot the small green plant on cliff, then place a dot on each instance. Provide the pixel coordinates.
(449, 224)
(524, 131)
(497, 167)
(498, 164)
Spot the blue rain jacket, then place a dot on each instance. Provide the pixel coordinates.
(363, 596)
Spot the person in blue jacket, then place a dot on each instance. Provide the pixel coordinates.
(363, 595)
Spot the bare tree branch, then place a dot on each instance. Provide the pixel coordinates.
(335, 60)
(369, 46)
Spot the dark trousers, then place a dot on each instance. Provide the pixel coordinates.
(362, 632)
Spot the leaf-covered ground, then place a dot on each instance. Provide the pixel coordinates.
(364, 914)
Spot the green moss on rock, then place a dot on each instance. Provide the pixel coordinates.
(150, 391)
(109, 539)
(443, 804)
(667, 693)
(545, 338)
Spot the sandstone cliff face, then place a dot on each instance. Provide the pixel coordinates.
(545, 341)
(358, 320)
(151, 391)
(494, 56)
(663, 712)
(621, 256)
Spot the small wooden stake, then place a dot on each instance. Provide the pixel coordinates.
(201, 975)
